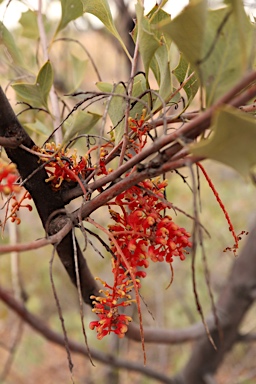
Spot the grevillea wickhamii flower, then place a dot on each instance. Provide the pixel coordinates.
(8, 178)
(143, 232)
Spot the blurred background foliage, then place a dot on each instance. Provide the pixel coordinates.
(36, 360)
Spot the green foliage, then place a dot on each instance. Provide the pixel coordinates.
(37, 93)
(219, 47)
(232, 142)
(118, 103)
(7, 39)
(148, 42)
(187, 30)
(154, 46)
(101, 9)
(78, 69)
(39, 128)
(80, 122)
(116, 107)
(227, 53)
(182, 71)
(70, 10)
(28, 21)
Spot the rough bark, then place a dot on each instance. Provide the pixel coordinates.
(233, 304)
(46, 200)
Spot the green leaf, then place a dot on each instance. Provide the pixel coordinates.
(182, 72)
(37, 93)
(70, 10)
(28, 21)
(78, 68)
(161, 61)
(218, 44)
(101, 9)
(232, 142)
(38, 127)
(240, 20)
(116, 108)
(118, 104)
(80, 122)
(148, 43)
(187, 30)
(227, 52)
(8, 41)
(139, 87)
(154, 47)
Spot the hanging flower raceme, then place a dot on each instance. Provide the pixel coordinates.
(108, 305)
(142, 232)
(140, 129)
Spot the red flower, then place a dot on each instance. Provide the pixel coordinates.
(8, 178)
(143, 233)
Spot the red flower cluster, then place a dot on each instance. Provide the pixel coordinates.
(107, 307)
(17, 204)
(8, 178)
(141, 233)
(140, 130)
(62, 166)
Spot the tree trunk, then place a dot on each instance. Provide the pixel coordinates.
(233, 304)
(47, 201)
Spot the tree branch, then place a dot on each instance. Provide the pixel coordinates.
(188, 131)
(47, 201)
(54, 337)
(234, 301)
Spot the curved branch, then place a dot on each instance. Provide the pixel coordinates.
(190, 131)
(39, 326)
(47, 201)
(246, 338)
(169, 336)
(234, 302)
(29, 246)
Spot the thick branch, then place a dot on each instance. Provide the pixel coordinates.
(75, 347)
(46, 200)
(54, 239)
(234, 302)
(190, 131)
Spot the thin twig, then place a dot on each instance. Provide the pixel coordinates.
(194, 248)
(192, 129)
(66, 342)
(68, 39)
(39, 326)
(53, 96)
(78, 284)
(128, 267)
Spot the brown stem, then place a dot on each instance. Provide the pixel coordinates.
(234, 302)
(46, 200)
(189, 131)
(39, 326)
